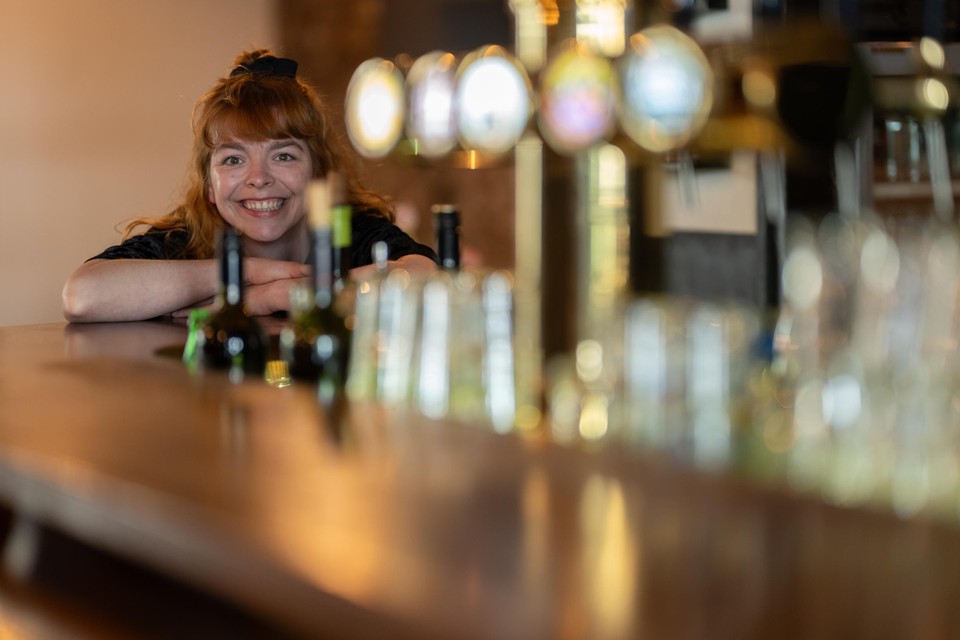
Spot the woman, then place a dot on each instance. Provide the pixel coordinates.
(260, 137)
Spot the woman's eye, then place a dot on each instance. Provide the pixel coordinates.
(285, 157)
(231, 161)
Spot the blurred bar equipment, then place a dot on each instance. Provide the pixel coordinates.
(532, 19)
(590, 327)
(916, 95)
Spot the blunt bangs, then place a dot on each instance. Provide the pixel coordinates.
(259, 110)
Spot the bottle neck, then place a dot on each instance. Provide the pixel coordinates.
(342, 239)
(448, 240)
(231, 269)
(321, 264)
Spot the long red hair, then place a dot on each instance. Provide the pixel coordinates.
(254, 106)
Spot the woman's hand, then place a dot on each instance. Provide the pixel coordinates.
(412, 263)
(270, 297)
(266, 288)
(268, 284)
(259, 271)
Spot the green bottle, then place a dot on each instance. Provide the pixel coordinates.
(232, 339)
(316, 341)
(341, 214)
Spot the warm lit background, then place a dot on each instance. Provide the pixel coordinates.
(94, 124)
(96, 104)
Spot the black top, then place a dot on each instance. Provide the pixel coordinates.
(368, 228)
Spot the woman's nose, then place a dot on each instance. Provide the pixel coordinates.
(258, 174)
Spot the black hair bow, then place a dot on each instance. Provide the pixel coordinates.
(270, 66)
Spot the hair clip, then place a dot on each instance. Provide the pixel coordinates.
(270, 66)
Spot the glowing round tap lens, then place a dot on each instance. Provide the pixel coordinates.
(578, 100)
(375, 108)
(667, 88)
(932, 52)
(431, 117)
(934, 94)
(493, 101)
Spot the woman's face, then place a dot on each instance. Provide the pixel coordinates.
(260, 187)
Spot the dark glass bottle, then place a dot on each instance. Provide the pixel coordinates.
(341, 225)
(447, 225)
(232, 339)
(317, 341)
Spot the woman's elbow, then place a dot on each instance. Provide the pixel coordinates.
(76, 304)
(416, 263)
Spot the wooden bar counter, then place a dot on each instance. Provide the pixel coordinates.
(243, 499)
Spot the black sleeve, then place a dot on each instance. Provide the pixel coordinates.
(369, 227)
(152, 245)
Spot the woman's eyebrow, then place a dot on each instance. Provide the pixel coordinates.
(236, 146)
(289, 142)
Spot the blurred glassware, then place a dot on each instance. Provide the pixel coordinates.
(442, 344)
(398, 317)
(654, 353)
(365, 351)
(433, 370)
(721, 344)
(499, 360)
(467, 348)
(362, 381)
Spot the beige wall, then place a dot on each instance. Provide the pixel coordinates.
(95, 103)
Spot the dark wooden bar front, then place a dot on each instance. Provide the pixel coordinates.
(393, 526)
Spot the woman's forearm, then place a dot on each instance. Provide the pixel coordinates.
(412, 263)
(117, 290)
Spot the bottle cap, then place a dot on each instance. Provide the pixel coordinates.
(318, 203)
(443, 208)
(338, 188)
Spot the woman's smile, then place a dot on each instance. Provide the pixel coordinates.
(265, 206)
(259, 188)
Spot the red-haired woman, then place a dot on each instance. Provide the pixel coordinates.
(260, 137)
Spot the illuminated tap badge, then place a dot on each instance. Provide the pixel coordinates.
(493, 101)
(431, 117)
(667, 88)
(578, 100)
(375, 108)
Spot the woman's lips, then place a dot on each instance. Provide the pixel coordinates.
(264, 207)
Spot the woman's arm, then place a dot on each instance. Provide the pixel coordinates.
(129, 289)
(413, 263)
(116, 290)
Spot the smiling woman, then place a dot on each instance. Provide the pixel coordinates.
(259, 188)
(260, 137)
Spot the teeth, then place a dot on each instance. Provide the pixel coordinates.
(263, 205)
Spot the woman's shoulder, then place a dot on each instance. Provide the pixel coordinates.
(370, 225)
(153, 244)
(369, 215)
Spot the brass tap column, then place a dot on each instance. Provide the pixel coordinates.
(530, 30)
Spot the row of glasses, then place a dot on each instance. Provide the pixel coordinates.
(441, 344)
(858, 401)
(863, 402)
(671, 375)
